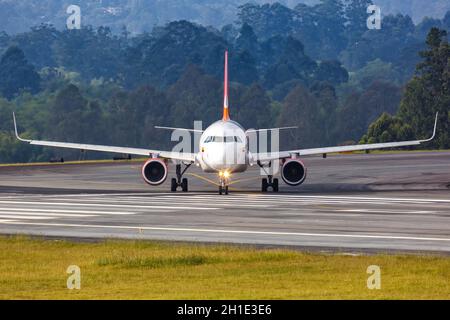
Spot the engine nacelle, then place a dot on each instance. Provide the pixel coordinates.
(293, 172)
(154, 172)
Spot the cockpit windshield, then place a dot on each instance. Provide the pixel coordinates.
(226, 139)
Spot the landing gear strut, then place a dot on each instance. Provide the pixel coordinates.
(268, 182)
(223, 187)
(179, 181)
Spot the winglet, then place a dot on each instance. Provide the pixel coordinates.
(15, 129)
(434, 130)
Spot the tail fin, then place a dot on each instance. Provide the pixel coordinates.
(226, 114)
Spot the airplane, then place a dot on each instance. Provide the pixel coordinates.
(217, 142)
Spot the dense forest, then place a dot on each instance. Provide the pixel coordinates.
(142, 15)
(314, 66)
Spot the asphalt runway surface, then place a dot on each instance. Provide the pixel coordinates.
(367, 203)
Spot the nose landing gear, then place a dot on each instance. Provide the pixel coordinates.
(223, 186)
(180, 182)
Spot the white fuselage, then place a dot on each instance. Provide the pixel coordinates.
(223, 147)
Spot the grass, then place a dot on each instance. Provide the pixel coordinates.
(36, 269)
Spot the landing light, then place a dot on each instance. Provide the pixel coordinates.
(224, 174)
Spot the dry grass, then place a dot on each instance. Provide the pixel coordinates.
(36, 269)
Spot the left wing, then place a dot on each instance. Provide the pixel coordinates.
(187, 157)
(361, 147)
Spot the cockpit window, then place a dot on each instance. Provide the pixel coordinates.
(233, 139)
(227, 139)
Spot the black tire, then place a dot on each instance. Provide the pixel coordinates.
(174, 185)
(275, 185)
(184, 185)
(265, 185)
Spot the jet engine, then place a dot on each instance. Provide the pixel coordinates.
(293, 172)
(155, 172)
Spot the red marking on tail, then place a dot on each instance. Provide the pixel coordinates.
(226, 114)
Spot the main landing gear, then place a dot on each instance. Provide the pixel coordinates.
(270, 181)
(179, 181)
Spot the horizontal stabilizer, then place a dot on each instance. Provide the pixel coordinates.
(179, 129)
(271, 129)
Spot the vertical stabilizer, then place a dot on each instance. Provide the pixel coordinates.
(226, 114)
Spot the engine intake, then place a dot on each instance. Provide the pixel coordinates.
(293, 172)
(155, 172)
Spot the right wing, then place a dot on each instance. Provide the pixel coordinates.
(187, 157)
(360, 147)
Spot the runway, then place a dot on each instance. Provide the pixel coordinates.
(350, 202)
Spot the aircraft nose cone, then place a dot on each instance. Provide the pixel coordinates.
(217, 157)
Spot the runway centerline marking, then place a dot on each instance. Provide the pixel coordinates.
(106, 205)
(224, 231)
(50, 215)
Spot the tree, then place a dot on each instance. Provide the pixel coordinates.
(197, 97)
(446, 21)
(253, 108)
(332, 71)
(247, 40)
(361, 109)
(387, 129)
(292, 63)
(92, 53)
(327, 103)
(429, 91)
(356, 19)
(135, 114)
(38, 45)
(300, 109)
(243, 68)
(67, 116)
(330, 21)
(17, 74)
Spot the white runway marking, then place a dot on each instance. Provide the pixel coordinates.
(25, 217)
(65, 204)
(304, 208)
(195, 230)
(65, 211)
(235, 196)
(387, 211)
(43, 213)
